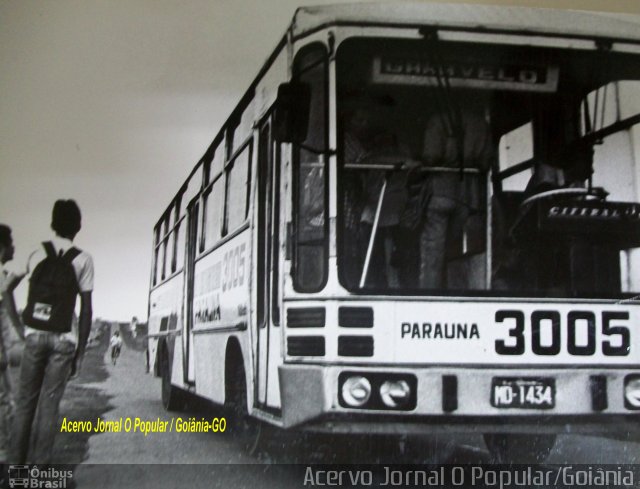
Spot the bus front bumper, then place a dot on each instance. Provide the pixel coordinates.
(458, 399)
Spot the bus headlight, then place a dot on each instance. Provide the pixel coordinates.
(395, 393)
(632, 391)
(356, 391)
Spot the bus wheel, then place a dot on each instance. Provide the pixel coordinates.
(243, 427)
(172, 399)
(519, 448)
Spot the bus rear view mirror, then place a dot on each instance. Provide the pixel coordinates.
(291, 118)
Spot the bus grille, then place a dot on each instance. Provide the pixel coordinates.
(305, 346)
(355, 317)
(307, 317)
(355, 346)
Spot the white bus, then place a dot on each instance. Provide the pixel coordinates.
(313, 273)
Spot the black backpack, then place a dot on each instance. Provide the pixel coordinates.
(53, 289)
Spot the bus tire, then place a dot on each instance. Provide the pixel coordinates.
(172, 399)
(241, 425)
(519, 448)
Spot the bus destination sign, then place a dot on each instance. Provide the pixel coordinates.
(466, 73)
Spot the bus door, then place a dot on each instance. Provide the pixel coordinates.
(187, 323)
(267, 293)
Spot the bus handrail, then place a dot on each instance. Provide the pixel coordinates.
(425, 169)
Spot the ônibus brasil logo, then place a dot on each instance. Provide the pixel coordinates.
(33, 477)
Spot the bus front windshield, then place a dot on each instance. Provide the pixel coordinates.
(486, 169)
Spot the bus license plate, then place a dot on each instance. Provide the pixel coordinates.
(525, 393)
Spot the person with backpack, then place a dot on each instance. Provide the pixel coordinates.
(54, 343)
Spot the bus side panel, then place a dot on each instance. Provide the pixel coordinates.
(221, 311)
(210, 349)
(165, 318)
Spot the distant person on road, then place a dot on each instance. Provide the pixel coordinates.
(8, 316)
(54, 345)
(134, 326)
(116, 345)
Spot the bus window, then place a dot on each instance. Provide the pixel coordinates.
(213, 210)
(603, 106)
(169, 248)
(193, 231)
(169, 220)
(182, 207)
(160, 262)
(217, 164)
(206, 173)
(237, 190)
(243, 130)
(601, 109)
(310, 173)
(165, 231)
(157, 270)
(516, 147)
(191, 189)
(181, 233)
(174, 237)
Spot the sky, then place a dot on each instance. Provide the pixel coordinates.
(112, 103)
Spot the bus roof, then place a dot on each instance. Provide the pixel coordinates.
(545, 22)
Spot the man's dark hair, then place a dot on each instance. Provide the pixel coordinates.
(5, 235)
(65, 218)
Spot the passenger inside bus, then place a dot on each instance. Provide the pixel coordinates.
(450, 201)
(367, 145)
(454, 140)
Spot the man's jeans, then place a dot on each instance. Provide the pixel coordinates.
(5, 413)
(445, 217)
(46, 366)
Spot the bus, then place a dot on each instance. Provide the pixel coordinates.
(417, 219)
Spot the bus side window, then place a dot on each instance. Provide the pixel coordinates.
(169, 243)
(310, 177)
(163, 253)
(604, 108)
(515, 147)
(213, 210)
(212, 199)
(174, 236)
(615, 157)
(180, 243)
(157, 270)
(237, 190)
